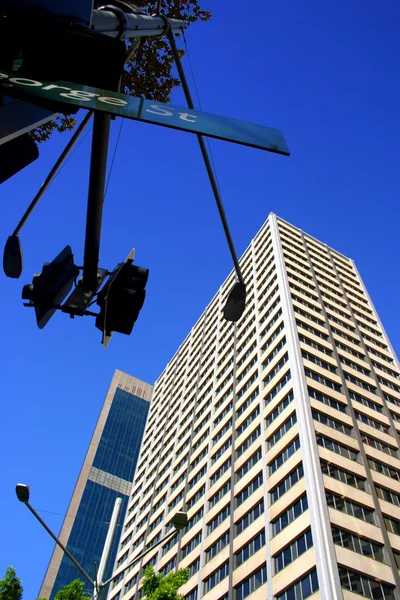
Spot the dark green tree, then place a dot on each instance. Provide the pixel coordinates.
(72, 591)
(149, 73)
(10, 586)
(163, 587)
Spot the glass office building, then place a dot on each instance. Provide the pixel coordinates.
(106, 474)
(280, 437)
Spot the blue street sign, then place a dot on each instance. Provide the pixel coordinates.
(167, 115)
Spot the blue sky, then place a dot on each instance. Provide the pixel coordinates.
(326, 74)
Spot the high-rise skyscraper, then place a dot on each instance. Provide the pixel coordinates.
(280, 437)
(106, 474)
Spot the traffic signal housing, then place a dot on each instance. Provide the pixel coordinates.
(121, 299)
(49, 288)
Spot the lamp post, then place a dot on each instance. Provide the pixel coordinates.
(179, 521)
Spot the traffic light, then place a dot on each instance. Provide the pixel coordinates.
(51, 286)
(121, 299)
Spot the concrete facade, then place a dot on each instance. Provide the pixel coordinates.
(279, 436)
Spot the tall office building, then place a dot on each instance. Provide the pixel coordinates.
(279, 436)
(106, 474)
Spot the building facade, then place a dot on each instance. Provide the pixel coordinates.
(106, 474)
(279, 436)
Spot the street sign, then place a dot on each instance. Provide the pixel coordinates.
(167, 115)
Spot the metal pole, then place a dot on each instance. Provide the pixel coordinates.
(107, 548)
(136, 25)
(206, 158)
(63, 548)
(98, 166)
(170, 534)
(53, 171)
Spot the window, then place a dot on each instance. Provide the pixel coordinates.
(318, 361)
(394, 401)
(168, 567)
(217, 546)
(349, 350)
(285, 485)
(194, 567)
(392, 525)
(331, 422)
(355, 366)
(345, 336)
(365, 586)
(280, 432)
(378, 466)
(274, 352)
(323, 380)
(312, 330)
(284, 455)
(374, 443)
(251, 584)
(195, 519)
(342, 475)
(372, 422)
(187, 549)
(293, 551)
(247, 403)
(222, 431)
(327, 400)
(218, 519)
(253, 415)
(250, 548)
(249, 490)
(277, 388)
(336, 447)
(223, 468)
(381, 356)
(301, 589)
(312, 318)
(248, 442)
(249, 464)
(351, 508)
(387, 495)
(357, 544)
(216, 577)
(385, 369)
(314, 345)
(199, 494)
(289, 515)
(389, 384)
(276, 369)
(167, 547)
(281, 407)
(220, 494)
(251, 516)
(359, 383)
(247, 385)
(225, 446)
(369, 403)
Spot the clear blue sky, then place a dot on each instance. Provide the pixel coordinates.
(324, 73)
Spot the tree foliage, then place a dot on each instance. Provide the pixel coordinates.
(10, 586)
(149, 73)
(163, 587)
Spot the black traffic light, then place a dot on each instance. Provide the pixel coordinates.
(121, 299)
(49, 289)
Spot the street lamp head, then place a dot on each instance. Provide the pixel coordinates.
(236, 302)
(180, 520)
(22, 492)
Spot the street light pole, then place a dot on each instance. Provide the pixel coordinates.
(179, 522)
(107, 548)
